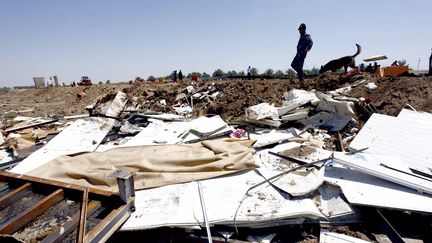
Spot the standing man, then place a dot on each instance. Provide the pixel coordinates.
(249, 73)
(304, 45)
(174, 76)
(180, 75)
(430, 64)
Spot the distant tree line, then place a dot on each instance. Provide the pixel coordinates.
(269, 72)
(219, 73)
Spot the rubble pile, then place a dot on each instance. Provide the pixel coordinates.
(247, 160)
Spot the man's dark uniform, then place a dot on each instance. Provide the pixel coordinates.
(304, 45)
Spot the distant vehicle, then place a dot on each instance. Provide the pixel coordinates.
(85, 81)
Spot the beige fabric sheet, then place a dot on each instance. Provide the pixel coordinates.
(157, 165)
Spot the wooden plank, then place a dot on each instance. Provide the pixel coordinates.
(27, 216)
(83, 217)
(63, 231)
(7, 176)
(15, 195)
(3, 186)
(107, 227)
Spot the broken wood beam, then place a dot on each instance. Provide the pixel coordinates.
(15, 195)
(27, 216)
(64, 230)
(107, 227)
(83, 217)
(10, 176)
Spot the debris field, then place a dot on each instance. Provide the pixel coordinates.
(336, 158)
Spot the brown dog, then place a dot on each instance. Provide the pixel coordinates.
(347, 61)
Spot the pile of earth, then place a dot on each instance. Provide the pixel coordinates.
(234, 96)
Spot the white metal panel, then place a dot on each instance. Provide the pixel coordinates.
(332, 237)
(296, 183)
(81, 136)
(408, 138)
(372, 167)
(179, 205)
(362, 189)
(375, 58)
(423, 118)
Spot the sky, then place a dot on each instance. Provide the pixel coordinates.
(120, 40)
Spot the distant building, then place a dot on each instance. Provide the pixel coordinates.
(39, 82)
(56, 82)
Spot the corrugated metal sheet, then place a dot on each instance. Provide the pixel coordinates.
(407, 136)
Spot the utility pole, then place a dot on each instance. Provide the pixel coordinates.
(418, 64)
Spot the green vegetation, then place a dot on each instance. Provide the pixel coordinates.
(269, 72)
(198, 74)
(4, 89)
(218, 73)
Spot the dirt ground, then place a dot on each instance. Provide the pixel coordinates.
(234, 95)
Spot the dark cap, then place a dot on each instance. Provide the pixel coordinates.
(302, 26)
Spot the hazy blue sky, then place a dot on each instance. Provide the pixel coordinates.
(119, 40)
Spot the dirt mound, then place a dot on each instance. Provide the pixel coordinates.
(232, 98)
(392, 94)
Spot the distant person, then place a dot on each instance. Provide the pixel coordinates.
(430, 64)
(249, 73)
(362, 67)
(174, 76)
(304, 45)
(369, 68)
(180, 75)
(395, 63)
(375, 67)
(194, 77)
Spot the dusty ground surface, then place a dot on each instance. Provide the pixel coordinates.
(234, 95)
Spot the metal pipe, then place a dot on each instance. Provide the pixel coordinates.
(207, 225)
